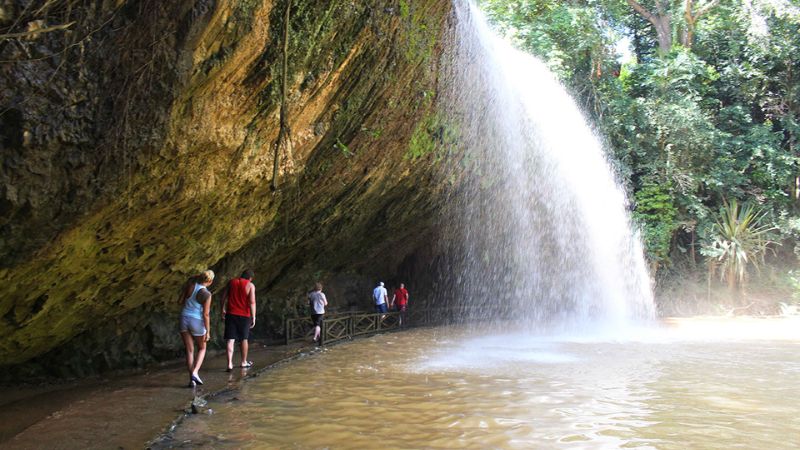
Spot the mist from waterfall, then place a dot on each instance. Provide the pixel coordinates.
(542, 234)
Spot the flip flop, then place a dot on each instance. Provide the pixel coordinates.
(247, 364)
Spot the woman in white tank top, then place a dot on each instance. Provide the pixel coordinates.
(195, 324)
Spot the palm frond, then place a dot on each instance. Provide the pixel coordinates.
(740, 240)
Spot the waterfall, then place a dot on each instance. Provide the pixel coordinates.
(538, 221)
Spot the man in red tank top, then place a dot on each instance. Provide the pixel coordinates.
(400, 300)
(239, 313)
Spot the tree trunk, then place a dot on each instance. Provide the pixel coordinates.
(691, 16)
(733, 287)
(688, 32)
(664, 33)
(660, 21)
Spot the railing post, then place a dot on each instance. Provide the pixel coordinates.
(322, 333)
(351, 327)
(286, 329)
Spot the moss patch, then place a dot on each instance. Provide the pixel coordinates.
(434, 135)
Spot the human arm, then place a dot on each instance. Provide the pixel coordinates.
(225, 301)
(252, 296)
(206, 297)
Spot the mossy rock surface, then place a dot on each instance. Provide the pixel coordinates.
(160, 165)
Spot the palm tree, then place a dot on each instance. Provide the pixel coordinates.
(740, 240)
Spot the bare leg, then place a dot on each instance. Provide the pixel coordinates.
(245, 347)
(200, 341)
(229, 350)
(316, 333)
(189, 344)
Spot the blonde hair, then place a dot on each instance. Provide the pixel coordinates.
(188, 286)
(318, 286)
(206, 276)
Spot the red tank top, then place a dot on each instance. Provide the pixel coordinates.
(238, 303)
(402, 296)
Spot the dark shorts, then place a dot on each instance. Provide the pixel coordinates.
(237, 327)
(401, 308)
(381, 308)
(317, 319)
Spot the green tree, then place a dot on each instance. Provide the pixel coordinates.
(656, 215)
(708, 110)
(672, 19)
(739, 240)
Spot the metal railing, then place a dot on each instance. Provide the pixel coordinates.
(348, 325)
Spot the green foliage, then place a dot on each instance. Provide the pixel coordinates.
(343, 148)
(740, 240)
(570, 37)
(656, 215)
(433, 135)
(719, 118)
(405, 9)
(793, 281)
(420, 32)
(374, 133)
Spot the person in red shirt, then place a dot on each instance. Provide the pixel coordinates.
(400, 300)
(239, 313)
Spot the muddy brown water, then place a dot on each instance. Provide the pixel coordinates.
(712, 384)
(694, 383)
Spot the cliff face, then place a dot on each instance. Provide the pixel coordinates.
(138, 146)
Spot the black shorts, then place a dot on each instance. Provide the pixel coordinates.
(237, 327)
(317, 319)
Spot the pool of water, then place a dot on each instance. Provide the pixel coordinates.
(687, 384)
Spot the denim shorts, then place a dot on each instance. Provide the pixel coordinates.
(381, 308)
(195, 326)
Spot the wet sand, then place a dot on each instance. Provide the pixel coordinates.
(119, 411)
